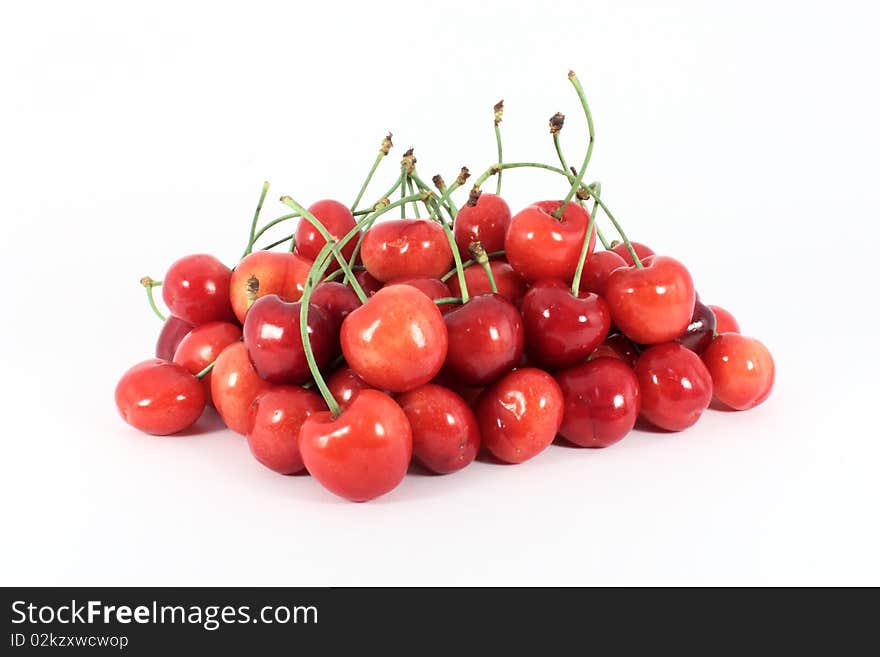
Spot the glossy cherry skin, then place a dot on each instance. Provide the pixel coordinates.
(345, 385)
(445, 434)
(597, 270)
(653, 304)
(510, 285)
(363, 453)
(336, 300)
(562, 329)
(234, 386)
(275, 418)
(202, 345)
(520, 414)
(675, 386)
(406, 248)
(159, 397)
(196, 289)
(617, 346)
(367, 282)
(433, 288)
(602, 402)
(338, 221)
(274, 343)
(742, 370)
(641, 250)
(725, 322)
(173, 331)
(700, 331)
(397, 340)
(486, 222)
(486, 339)
(277, 272)
(540, 246)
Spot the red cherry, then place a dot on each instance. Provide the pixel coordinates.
(597, 270)
(406, 248)
(486, 340)
(601, 402)
(562, 329)
(336, 300)
(338, 221)
(345, 385)
(276, 272)
(617, 346)
(201, 347)
(486, 222)
(274, 343)
(159, 397)
(367, 282)
(520, 414)
(725, 322)
(641, 250)
(742, 370)
(173, 331)
(397, 340)
(196, 289)
(700, 331)
(653, 304)
(434, 288)
(675, 386)
(445, 434)
(275, 418)
(540, 246)
(510, 285)
(361, 454)
(234, 386)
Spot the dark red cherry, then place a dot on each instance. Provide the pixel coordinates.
(510, 285)
(700, 331)
(675, 386)
(196, 289)
(617, 346)
(367, 282)
(336, 300)
(345, 385)
(561, 329)
(486, 222)
(338, 221)
(274, 344)
(597, 270)
(159, 397)
(173, 331)
(601, 402)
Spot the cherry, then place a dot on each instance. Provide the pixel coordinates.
(397, 340)
(274, 343)
(700, 331)
(742, 370)
(540, 246)
(617, 346)
(234, 386)
(725, 322)
(597, 270)
(520, 414)
(434, 288)
(445, 435)
(345, 385)
(485, 222)
(675, 386)
(196, 289)
(652, 304)
(338, 221)
(368, 283)
(406, 248)
(275, 418)
(202, 345)
(173, 331)
(486, 339)
(601, 402)
(641, 250)
(363, 453)
(159, 397)
(276, 272)
(510, 285)
(562, 329)
(336, 300)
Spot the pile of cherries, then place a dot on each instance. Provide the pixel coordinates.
(353, 346)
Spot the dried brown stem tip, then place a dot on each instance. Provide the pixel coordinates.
(386, 144)
(478, 252)
(615, 244)
(408, 161)
(474, 196)
(252, 290)
(439, 183)
(148, 282)
(463, 176)
(556, 123)
(499, 111)
(583, 194)
(382, 203)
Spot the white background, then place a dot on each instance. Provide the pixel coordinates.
(740, 137)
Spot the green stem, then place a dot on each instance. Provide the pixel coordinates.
(449, 206)
(281, 241)
(482, 258)
(204, 372)
(411, 191)
(445, 300)
(383, 151)
(444, 198)
(629, 246)
(468, 263)
(576, 185)
(432, 199)
(368, 225)
(149, 284)
(274, 222)
(582, 259)
(252, 238)
(339, 272)
(499, 112)
(403, 191)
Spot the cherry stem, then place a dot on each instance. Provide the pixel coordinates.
(480, 255)
(468, 263)
(253, 237)
(444, 198)
(278, 242)
(445, 300)
(582, 259)
(432, 199)
(204, 372)
(499, 113)
(403, 180)
(411, 191)
(576, 185)
(449, 206)
(339, 272)
(383, 151)
(308, 216)
(629, 246)
(149, 284)
(382, 202)
(571, 178)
